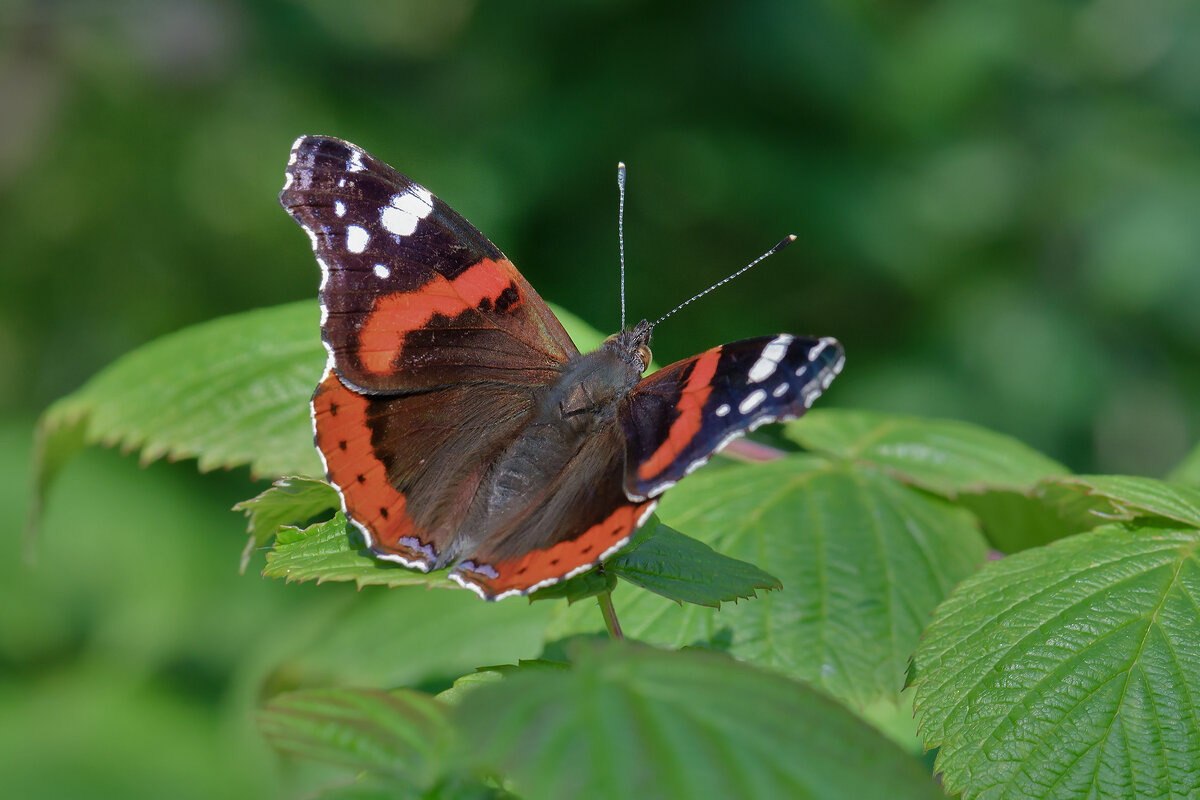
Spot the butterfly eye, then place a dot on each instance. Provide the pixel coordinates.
(643, 353)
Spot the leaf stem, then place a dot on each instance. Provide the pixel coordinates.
(610, 615)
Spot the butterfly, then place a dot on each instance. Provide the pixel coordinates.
(456, 418)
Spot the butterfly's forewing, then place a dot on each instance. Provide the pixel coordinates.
(412, 296)
(676, 418)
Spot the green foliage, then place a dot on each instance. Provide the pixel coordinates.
(946, 457)
(619, 721)
(286, 502)
(1072, 670)
(230, 392)
(683, 569)
(1073, 661)
(401, 733)
(635, 722)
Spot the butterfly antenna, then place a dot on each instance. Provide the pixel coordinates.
(782, 244)
(621, 232)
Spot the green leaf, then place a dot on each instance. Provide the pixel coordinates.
(229, 392)
(399, 733)
(686, 570)
(407, 636)
(56, 441)
(288, 501)
(863, 560)
(636, 722)
(483, 676)
(1071, 670)
(589, 584)
(1134, 496)
(330, 551)
(371, 786)
(944, 456)
(1015, 521)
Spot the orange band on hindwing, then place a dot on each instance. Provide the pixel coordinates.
(344, 439)
(560, 561)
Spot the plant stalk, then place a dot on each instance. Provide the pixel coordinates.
(610, 615)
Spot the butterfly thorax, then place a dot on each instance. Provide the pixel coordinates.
(592, 383)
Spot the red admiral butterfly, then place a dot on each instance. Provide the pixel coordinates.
(457, 420)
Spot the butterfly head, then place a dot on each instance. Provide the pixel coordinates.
(632, 345)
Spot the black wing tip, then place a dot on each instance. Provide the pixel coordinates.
(314, 153)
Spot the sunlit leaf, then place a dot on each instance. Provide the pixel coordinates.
(288, 501)
(943, 456)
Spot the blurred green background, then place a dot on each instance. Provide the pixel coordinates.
(996, 205)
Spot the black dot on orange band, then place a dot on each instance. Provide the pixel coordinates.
(383, 512)
(333, 407)
(508, 298)
(553, 561)
(362, 478)
(342, 444)
(521, 570)
(586, 550)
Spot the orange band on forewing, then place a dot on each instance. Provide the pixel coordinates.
(344, 439)
(394, 316)
(691, 403)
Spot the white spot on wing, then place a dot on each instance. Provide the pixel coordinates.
(722, 410)
(339, 208)
(780, 390)
(771, 355)
(357, 239)
(355, 164)
(752, 401)
(406, 210)
(382, 271)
